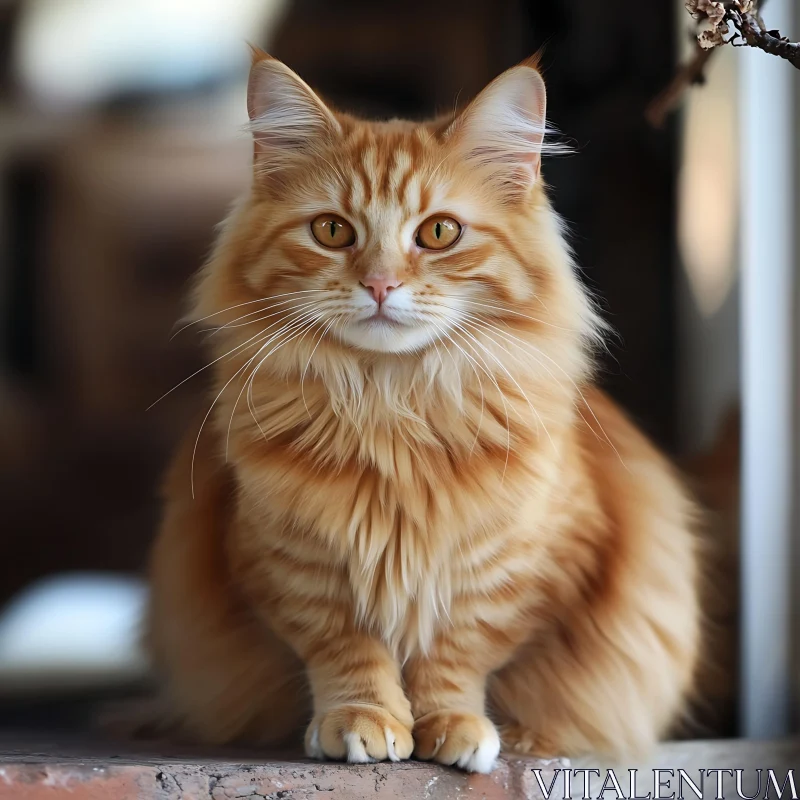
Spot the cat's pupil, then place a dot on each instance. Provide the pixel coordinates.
(333, 229)
(437, 230)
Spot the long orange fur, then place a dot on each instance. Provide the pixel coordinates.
(432, 537)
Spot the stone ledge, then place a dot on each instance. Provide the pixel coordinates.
(80, 768)
(42, 771)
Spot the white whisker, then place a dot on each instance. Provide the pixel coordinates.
(480, 386)
(239, 305)
(499, 391)
(432, 376)
(299, 327)
(511, 311)
(237, 323)
(213, 404)
(502, 399)
(514, 381)
(523, 343)
(308, 363)
(248, 342)
(289, 324)
(205, 419)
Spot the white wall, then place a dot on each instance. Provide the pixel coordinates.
(738, 196)
(770, 350)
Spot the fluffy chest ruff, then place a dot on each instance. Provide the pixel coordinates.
(413, 509)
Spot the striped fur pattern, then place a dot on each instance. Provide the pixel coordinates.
(430, 533)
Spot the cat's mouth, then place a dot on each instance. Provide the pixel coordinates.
(386, 331)
(382, 319)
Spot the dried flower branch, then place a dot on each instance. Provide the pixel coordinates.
(734, 22)
(751, 29)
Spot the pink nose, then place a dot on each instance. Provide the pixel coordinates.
(380, 287)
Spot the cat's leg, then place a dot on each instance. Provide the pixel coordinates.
(360, 711)
(447, 688)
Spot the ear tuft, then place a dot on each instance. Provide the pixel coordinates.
(534, 62)
(502, 131)
(288, 121)
(257, 54)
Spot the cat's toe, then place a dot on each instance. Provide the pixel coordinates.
(469, 741)
(359, 733)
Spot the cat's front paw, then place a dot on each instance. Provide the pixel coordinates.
(359, 733)
(457, 737)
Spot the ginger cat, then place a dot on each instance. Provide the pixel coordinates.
(409, 523)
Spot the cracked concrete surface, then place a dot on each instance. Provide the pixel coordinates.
(87, 769)
(271, 780)
(91, 770)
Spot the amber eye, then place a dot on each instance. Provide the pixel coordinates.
(332, 231)
(436, 233)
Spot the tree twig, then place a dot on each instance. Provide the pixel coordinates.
(689, 73)
(749, 31)
(752, 31)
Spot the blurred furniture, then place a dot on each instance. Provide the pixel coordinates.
(134, 209)
(103, 221)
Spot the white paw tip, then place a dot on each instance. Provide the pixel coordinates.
(483, 757)
(314, 749)
(391, 753)
(356, 752)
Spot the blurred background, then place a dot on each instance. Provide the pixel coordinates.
(121, 147)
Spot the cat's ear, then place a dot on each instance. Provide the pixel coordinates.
(288, 121)
(502, 131)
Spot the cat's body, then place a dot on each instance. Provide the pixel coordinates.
(402, 523)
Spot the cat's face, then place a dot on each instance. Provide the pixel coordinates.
(393, 236)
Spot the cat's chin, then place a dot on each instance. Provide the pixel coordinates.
(386, 336)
